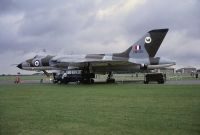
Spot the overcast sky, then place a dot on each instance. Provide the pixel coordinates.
(96, 26)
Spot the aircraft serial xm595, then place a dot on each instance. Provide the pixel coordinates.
(138, 57)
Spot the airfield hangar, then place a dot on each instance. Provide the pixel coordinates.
(187, 70)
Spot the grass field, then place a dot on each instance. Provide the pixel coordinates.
(46, 109)
(22, 77)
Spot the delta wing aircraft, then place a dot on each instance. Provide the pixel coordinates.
(140, 56)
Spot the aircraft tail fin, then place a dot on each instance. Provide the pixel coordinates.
(147, 46)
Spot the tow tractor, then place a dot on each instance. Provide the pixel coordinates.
(73, 76)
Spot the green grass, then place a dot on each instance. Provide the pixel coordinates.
(99, 109)
(22, 77)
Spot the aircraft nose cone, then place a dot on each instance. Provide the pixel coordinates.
(19, 66)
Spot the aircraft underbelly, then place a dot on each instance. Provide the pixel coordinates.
(116, 68)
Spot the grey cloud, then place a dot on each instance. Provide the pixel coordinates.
(72, 26)
(179, 15)
(5, 5)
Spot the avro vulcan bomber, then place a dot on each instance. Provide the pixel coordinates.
(140, 56)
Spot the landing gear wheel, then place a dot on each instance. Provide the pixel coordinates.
(92, 81)
(88, 81)
(110, 78)
(146, 82)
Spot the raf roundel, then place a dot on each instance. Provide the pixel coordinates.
(148, 40)
(37, 63)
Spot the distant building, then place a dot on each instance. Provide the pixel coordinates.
(187, 70)
(168, 70)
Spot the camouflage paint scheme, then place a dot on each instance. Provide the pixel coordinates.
(139, 56)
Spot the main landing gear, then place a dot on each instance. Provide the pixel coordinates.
(155, 77)
(87, 76)
(110, 78)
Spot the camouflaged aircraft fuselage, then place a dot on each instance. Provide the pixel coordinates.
(139, 56)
